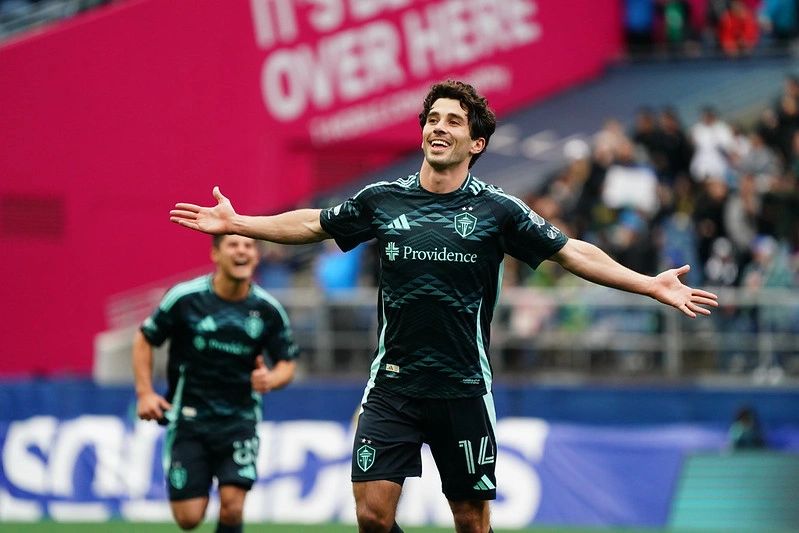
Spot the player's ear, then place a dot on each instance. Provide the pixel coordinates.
(478, 145)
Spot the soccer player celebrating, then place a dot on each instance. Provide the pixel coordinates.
(221, 326)
(442, 235)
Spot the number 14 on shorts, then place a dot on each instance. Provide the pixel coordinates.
(483, 457)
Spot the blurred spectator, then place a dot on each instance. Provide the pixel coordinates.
(639, 24)
(645, 129)
(714, 10)
(713, 141)
(768, 127)
(745, 432)
(609, 139)
(778, 20)
(759, 161)
(721, 269)
(678, 245)
(274, 271)
(793, 159)
(779, 213)
(631, 242)
(677, 149)
(568, 184)
(338, 272)
(629, 183)
(742, 215)
(738, 29)
(709, 215)
(675, 27)
(770, 265)
(787, 123)
(741, 145)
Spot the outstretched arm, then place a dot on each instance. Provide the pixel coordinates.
(293, 227)
(591, 263)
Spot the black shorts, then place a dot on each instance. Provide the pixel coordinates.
(192, 459)
(460, 433)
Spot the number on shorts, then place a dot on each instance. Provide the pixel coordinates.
(483, 458)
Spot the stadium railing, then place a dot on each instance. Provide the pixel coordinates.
(577, 332)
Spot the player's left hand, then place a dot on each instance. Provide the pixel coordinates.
(668, 289)
(261, 377)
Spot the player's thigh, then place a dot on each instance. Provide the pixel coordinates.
(388, 440)
(376, 501)
(234, 457)
(187, 465)
(461, 438)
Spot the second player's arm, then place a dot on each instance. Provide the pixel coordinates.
(283, 373)
(265, 379)
(149, 404)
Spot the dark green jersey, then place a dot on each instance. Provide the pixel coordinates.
(441, 258)
(213, 346)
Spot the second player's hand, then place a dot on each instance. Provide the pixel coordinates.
(151, 406)
(215, 220)
(261, 377)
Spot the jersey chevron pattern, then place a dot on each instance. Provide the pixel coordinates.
(441, 257)
(213, 346)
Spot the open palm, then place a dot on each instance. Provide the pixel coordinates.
(216, 220)
(668, 289)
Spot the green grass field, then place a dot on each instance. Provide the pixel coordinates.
(127, 527)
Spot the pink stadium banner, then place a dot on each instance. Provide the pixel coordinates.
(112, 116)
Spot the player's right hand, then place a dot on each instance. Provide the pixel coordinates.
(151, 406)
(214, 220)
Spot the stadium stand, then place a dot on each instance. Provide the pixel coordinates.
(19, 16)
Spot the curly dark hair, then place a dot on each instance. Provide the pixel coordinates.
(482, 121)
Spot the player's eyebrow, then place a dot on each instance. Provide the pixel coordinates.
(433, 113)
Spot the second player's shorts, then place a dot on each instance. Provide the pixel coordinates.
(192, 459)
(460, 433)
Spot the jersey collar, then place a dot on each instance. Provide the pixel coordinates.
(463, 186)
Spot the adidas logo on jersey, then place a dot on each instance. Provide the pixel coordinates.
(207, 324)
(401, 222)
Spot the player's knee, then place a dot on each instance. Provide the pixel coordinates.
(372, 521)
(187, 522)
(231, 512)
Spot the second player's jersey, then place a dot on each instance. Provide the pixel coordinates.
(441, 258)
(212, 350)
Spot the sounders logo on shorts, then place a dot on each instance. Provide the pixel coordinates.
(365, 457)
(178, 476)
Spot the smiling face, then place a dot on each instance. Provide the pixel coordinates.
(446, 139)
(235, 257)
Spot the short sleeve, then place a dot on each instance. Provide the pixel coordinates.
(349, 223)
(158, 327)
(279, 341)
(527, 236)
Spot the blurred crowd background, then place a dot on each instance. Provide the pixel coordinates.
(718, 191)
(670, 138)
